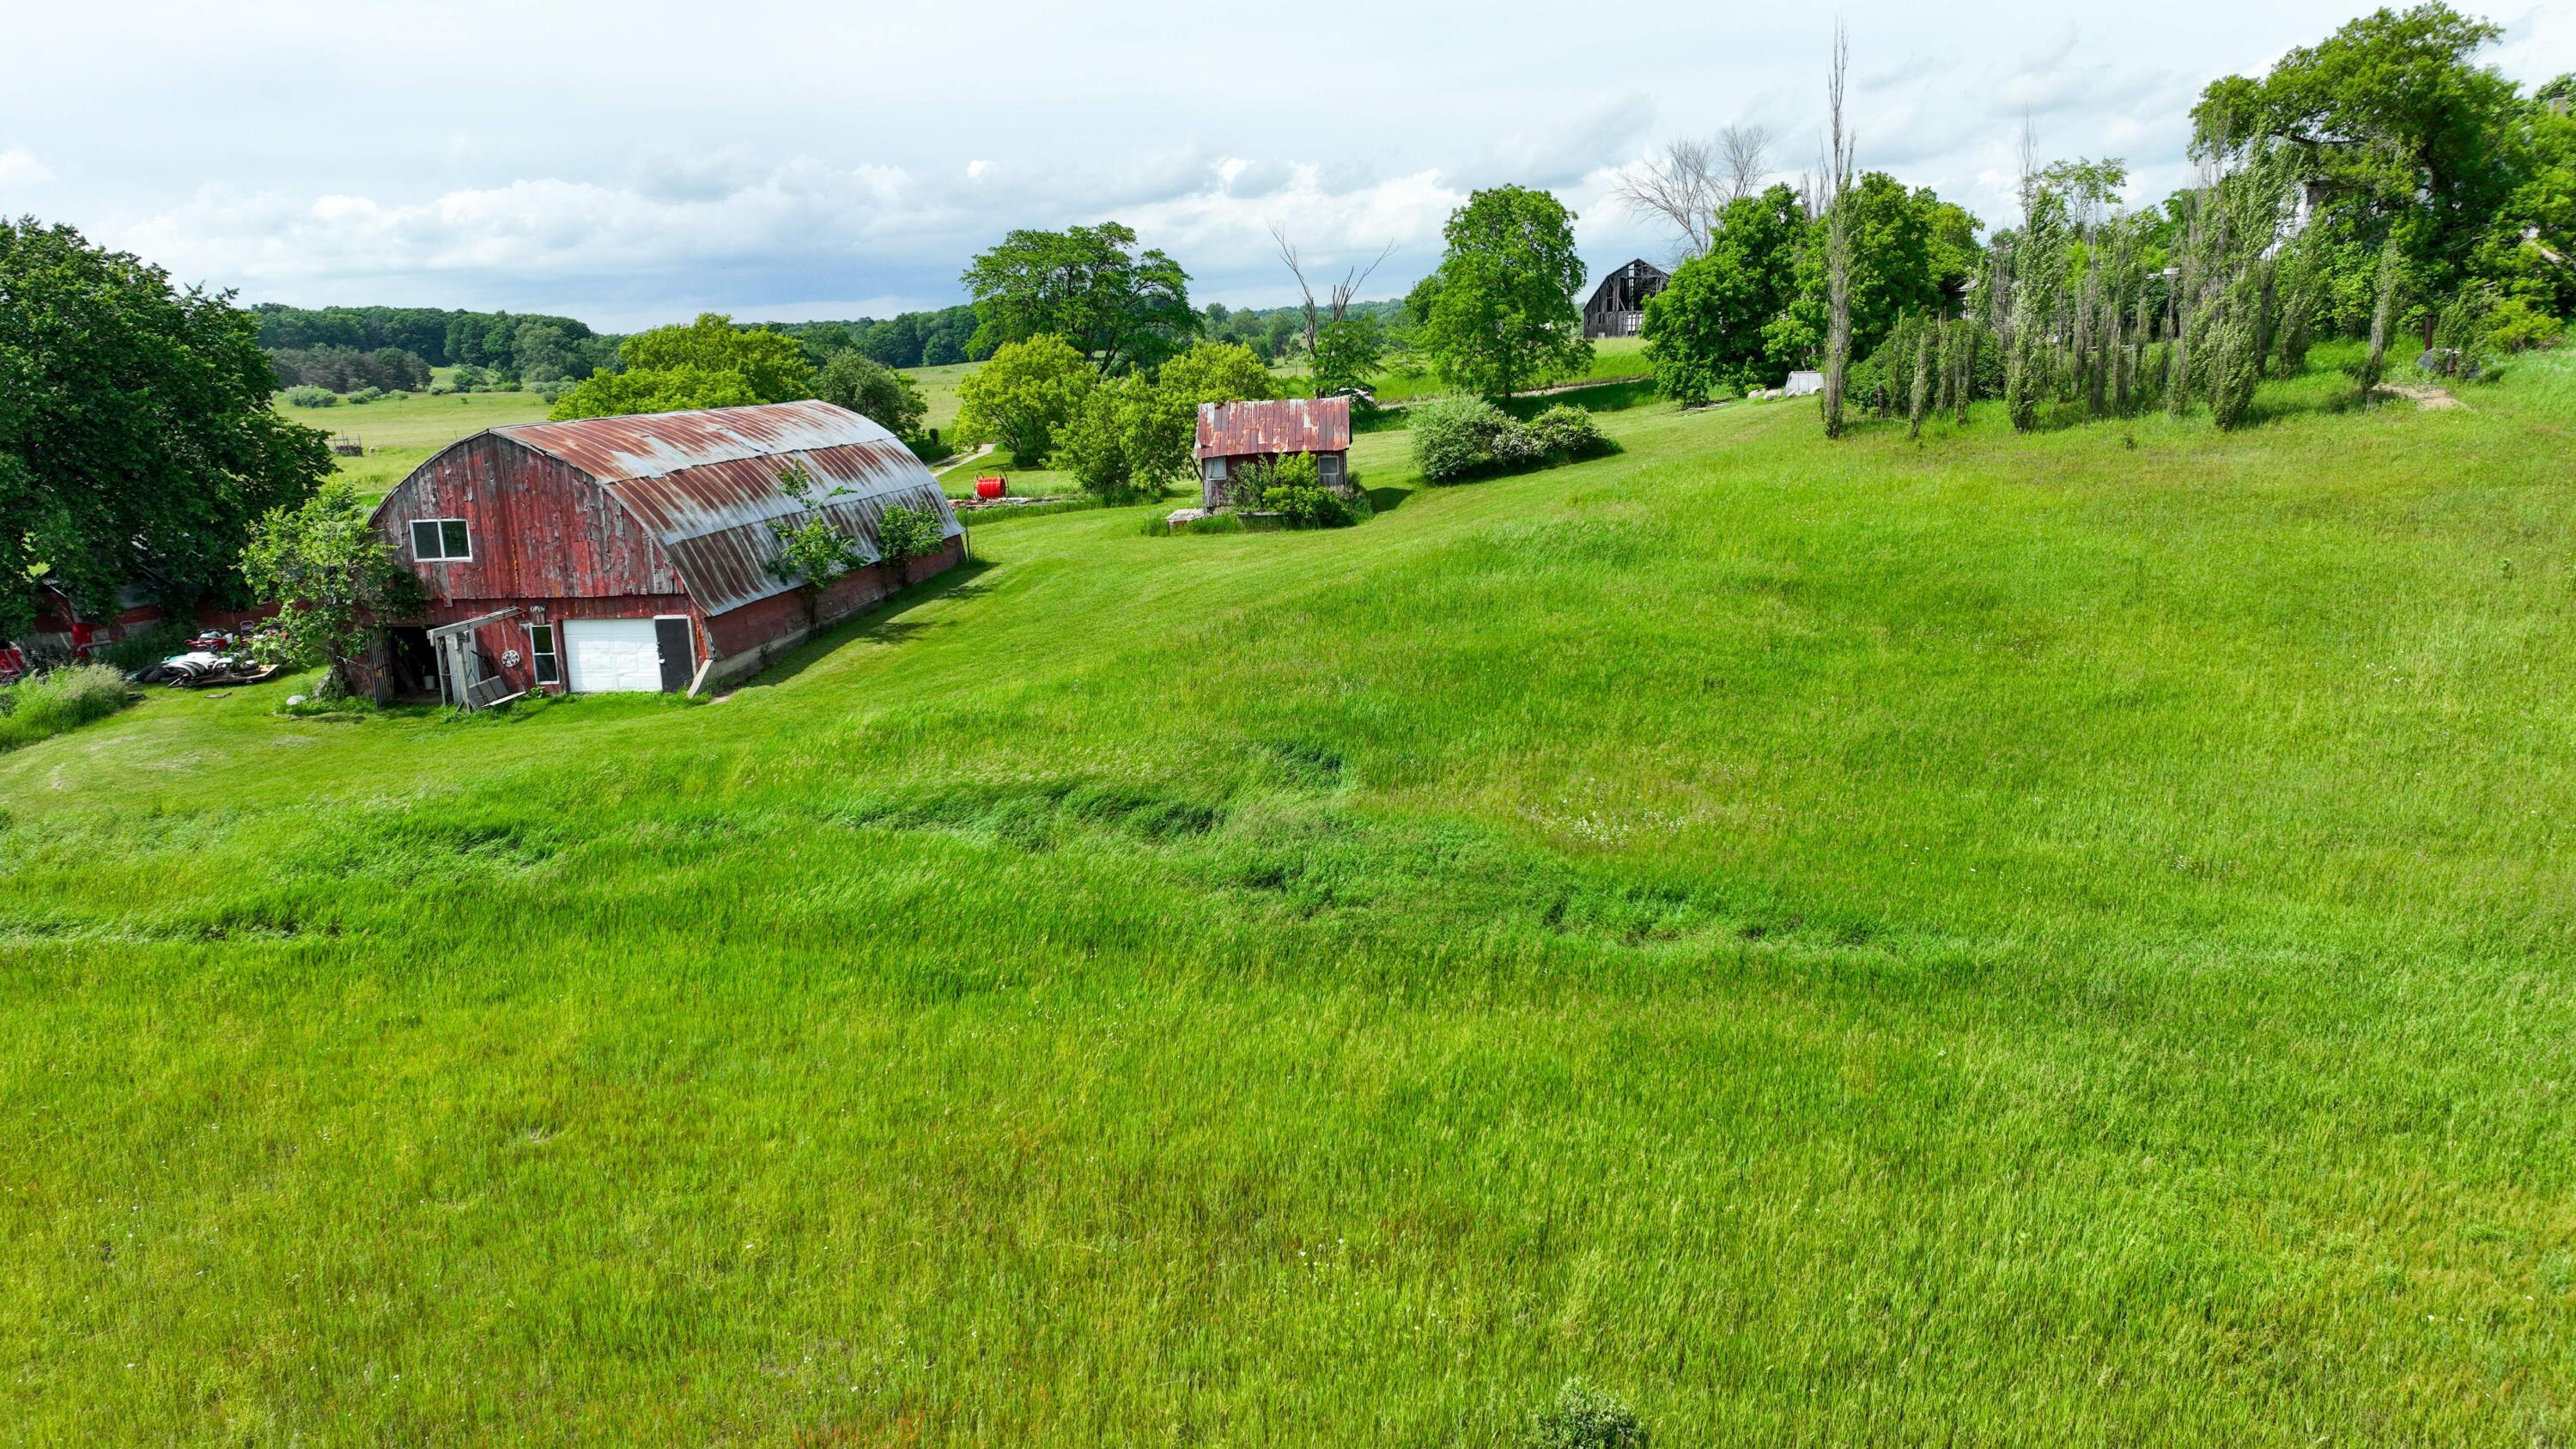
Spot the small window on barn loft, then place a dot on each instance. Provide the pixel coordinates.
(441, 540)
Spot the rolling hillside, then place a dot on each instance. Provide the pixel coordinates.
(2042, 940)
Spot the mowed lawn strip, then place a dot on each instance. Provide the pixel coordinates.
(2041, 940)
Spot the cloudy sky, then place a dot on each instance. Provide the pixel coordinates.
(638, 162)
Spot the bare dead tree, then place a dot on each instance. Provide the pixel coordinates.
(1836, 183)
(1743, 160)
(1683, 188)
(1338, 297)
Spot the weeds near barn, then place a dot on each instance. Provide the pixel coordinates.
(2021, 940)
(57, 700)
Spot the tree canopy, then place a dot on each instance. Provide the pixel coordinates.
(709, 363)
(1500, 311)
(1120, 308)
(2398, 128)
(874, 391)
(137, 444)
(1022, 395)
(1910, 251)
(1706, 332)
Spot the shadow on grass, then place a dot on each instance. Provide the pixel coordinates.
(1607, 397)
(885, 621)
(1383, 501)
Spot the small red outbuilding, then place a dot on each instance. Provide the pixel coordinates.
(1233, 434)
(632, 553)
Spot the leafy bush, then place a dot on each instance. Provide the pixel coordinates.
(366, 395)
(2517, 326)
(1296, 470)
(58, 700)
(1308, 506)
(1566, 434)
(1459, 438)
(1585, 1418)
(1453, 437)
(905, 534)
(306, 395)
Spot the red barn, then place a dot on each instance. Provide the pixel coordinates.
(632, 553)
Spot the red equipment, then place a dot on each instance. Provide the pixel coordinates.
(989, 486)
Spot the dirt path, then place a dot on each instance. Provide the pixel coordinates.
(969, 461)
(1549, 391)
(2432, 399)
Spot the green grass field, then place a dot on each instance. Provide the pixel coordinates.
(939, 390)
(1612, 358)
(403, 430)
(2041, 941)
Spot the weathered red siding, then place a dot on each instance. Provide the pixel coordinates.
(684, 524)
(540, 528)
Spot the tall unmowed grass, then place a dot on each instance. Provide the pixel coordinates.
(56, 700)
(2049, 939)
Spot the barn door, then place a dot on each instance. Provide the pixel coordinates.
(679, 652)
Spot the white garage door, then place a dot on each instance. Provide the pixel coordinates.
(605, 655)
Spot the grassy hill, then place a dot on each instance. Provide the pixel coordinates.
(2042, 940)
(402, 430)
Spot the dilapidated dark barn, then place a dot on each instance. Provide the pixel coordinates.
(1618, 305)
(632, 553)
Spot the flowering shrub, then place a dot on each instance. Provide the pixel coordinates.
(1455, 439)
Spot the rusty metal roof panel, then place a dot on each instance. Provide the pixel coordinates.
(705, 483)
(1283, 425)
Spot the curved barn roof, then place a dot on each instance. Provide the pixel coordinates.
(705, 483)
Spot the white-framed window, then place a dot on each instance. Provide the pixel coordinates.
(541, 654)
(1216, 470)
(1328, 467)
(441, 540)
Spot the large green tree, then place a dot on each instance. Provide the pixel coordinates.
(1120, 308)
(1910, 249)
(137, 445)
(1022, 395)
(709, 363)
(1136, 433)
(1501, 312)
(874, 391)
(1706, 331)
(2399, 129)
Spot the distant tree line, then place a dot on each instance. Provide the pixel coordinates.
(346, 369)
(908, 339)
(311, 346)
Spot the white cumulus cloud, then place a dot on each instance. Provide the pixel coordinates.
(19, 167)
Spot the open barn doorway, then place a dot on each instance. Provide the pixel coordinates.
(411, 665)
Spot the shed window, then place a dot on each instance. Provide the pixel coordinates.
(1328, 467)
(1216, 469)
(440, 540)
(541, 653)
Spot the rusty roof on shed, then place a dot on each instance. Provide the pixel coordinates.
(705, 483)
(1284, 425)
